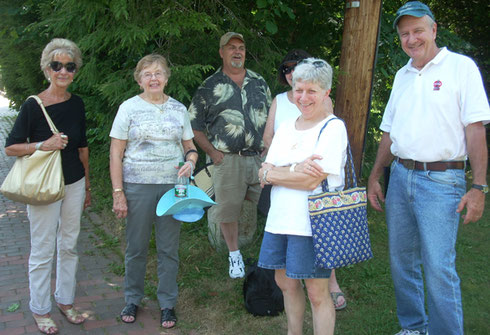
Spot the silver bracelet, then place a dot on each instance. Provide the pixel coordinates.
(291, 168)
(264, 176)
(39, 145)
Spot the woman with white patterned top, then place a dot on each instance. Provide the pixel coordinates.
(150, 135)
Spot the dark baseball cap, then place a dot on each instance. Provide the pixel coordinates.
(413, 8)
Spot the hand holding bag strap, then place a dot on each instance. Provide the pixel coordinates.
(53, 128)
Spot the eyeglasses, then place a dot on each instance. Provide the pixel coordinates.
(149, 75)
(57, 66)
(316, 63)
(288, 69)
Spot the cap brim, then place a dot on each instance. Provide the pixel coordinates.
(189, 207)
(410, 12)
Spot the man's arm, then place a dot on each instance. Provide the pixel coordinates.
(474, 200)
(203, 142)
(383, 158)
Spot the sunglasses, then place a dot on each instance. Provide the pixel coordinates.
(317, 63)
(288, 69)
(57, 66)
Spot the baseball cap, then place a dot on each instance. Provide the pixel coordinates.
(228, 36)
(413, 8)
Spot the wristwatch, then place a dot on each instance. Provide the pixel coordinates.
(483, 188)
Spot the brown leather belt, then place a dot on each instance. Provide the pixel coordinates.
(433, 166)
(247, 153)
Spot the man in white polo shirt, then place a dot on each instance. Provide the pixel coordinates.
(433, 121)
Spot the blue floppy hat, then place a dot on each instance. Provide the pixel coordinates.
(413, 8)
(189, 209)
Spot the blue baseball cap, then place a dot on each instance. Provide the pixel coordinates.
(189, 209)
(413, 8)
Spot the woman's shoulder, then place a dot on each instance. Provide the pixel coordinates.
(176, 105)
(131, 103)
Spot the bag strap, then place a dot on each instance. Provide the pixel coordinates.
(53, 128)
(349, 165)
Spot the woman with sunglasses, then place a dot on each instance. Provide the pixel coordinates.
(56, 225)
(299, 159)
(150, 135)
(283, 108)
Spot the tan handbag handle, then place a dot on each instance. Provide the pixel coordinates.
(53, 128)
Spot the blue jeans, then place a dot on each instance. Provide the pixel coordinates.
(423, 227)
(294, 253)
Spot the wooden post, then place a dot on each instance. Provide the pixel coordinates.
(357, 62)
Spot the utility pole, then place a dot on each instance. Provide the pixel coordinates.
(357, 62)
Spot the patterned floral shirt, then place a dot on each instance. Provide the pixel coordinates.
(218, 109)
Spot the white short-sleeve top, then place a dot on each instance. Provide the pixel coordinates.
(154, 139)
(288, 213)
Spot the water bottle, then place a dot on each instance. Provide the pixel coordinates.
(181, 185)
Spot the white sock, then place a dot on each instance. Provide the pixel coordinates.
(235, 253)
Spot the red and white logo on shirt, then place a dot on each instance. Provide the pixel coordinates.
(437, 85)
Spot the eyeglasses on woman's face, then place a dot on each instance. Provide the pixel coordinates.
(149, 75)
(57, 66)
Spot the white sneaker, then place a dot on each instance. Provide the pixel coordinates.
(410, 332)
(237, 268)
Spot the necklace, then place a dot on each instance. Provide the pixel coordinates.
(160, 107)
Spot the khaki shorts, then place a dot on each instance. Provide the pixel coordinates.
(235, 180)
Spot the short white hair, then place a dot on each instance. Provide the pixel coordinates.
(314, 70)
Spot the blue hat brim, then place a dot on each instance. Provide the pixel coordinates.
(186, 209)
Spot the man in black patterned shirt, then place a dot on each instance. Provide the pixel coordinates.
(228, 115)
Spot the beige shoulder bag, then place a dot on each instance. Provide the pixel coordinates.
(36, 179)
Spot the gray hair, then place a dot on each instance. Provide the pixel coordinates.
(430, 22)
(60, 46)
(149, 60)
(314, 70)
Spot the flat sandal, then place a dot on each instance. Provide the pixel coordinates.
(129, 310)
(72, 315)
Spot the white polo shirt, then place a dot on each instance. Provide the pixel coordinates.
(429, 109)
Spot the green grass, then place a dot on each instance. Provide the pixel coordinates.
(211, 303)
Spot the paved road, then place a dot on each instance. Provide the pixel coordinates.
(99, 292)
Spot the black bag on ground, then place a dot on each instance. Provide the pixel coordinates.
(261, 294)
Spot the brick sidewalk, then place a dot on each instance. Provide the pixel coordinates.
(99, 292)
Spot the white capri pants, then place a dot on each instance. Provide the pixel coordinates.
(56, 224)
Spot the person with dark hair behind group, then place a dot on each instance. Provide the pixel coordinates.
(284, 108)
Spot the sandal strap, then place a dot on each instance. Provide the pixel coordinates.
(44, 324)
(167, 314)
(72, 315)
(130, 310)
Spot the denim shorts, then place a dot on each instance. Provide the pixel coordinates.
(293, 253)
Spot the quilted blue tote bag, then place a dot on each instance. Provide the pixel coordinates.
(339, 222)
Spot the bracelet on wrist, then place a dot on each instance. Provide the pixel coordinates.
(189, 152)
(117, 190)
(39, 145)
(88, 189)
(264, 176)
(291, 168)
